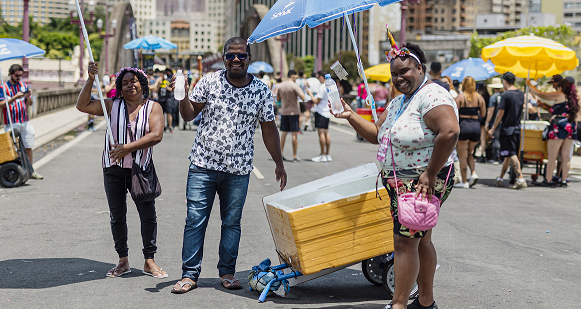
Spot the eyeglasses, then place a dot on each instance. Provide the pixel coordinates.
(241, 56)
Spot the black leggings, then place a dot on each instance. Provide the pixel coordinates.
(117, 183)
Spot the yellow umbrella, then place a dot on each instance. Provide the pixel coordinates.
(543, 57)
(380, 72)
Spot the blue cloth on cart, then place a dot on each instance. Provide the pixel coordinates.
(262, 274)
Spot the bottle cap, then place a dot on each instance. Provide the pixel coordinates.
(327, 75)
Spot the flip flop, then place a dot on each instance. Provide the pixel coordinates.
(232, 286)
(115, 270)
(160, 276)
(180, 291)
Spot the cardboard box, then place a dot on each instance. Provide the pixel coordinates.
(7, 149)
(331, 222)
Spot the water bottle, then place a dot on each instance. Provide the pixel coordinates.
(179, 91)
(333, 93)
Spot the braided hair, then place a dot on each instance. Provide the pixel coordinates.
(416, 50)
(141, 77)
(570, 92)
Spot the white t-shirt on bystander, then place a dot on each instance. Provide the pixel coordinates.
(323, 107)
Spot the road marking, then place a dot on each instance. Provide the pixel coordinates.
(336, 128)
(575, 176)
(64, 147)
(257, 173)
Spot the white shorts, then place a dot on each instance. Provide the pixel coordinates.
(26, 131)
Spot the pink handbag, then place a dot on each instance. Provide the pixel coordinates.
(413, 213)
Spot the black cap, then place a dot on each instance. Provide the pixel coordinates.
(570, 79)
(509, 77)
(556, 78)
(436, 67)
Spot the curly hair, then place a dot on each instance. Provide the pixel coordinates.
(140, 76)
(416, 50)
(570, 91)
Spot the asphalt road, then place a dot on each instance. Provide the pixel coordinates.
(497, 248)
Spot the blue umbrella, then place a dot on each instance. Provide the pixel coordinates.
(474, 67)
(258, 66)
(150, 42)
(287, 16)
(14, 49)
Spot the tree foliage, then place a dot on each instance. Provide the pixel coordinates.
(349, 62)
(563, 34)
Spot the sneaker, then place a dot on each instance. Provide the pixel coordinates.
(329, 159)
(296, 159)
(548, 184)
(498, 182)
(416, 305)
(36, 175)
(463, 185)
(286, 160)
(519, 185)
(320, 158)
(564, 184)
(473, 180)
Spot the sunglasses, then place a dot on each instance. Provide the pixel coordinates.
(241, 56)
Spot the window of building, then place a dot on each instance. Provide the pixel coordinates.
(577, 14)
(441, 20)
(453, 11)
(428, 19)
(435, 20)
(436, 11)
(411, 28)
(453, 19)
(428, 11)
(412, 11)
(578, 5)
(568, 5)
(411, 20)
(577, 24)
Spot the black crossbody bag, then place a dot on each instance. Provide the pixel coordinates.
(145, 185)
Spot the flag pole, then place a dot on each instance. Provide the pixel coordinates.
(86, 36)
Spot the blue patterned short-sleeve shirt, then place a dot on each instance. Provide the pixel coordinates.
(225, 137)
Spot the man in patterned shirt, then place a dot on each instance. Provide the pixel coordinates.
(232, 102)
(18, 96)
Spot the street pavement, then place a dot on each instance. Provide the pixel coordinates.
(497, 248)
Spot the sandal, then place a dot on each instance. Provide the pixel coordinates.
(231, 286)
(114, 272)
(182, 283)
(160, 275)
(416, 305)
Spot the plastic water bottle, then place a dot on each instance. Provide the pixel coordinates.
(179, 91)
(333, 93)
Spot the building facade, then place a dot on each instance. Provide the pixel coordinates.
(40, 10)
(143, 10)
(440, 15)
(159, 28)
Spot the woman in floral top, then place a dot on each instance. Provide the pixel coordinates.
(422, 125)
(563, 128)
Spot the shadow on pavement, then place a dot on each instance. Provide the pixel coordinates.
(343, 286)
(52, 272)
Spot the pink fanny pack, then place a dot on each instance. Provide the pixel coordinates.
(413, 213)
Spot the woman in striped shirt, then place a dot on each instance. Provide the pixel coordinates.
(146, 124)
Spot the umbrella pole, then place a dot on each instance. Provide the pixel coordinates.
(111, 139)
(360, 67)
(6, 97)
(525, 116)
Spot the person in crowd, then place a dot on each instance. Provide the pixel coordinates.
(361, 95)
(423, 127)
(450, 84)
(470, 108)
(301, 81)
(221, 158)
(563, 127)
(346, 85)
(508, 115)
(481, 89)
(171, 104)
(265, 79)
(497, 88)
(555, 80)
(131, 113)
(322, 116)
(380, 95)
(532, 105)
(313, 85)
(154, 83)
(436, 75)
(16, 97)
(110, 90)
(289, 93)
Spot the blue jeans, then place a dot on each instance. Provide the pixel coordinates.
(203, 184)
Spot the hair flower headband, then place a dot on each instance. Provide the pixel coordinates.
(130, 69)
(404, 52)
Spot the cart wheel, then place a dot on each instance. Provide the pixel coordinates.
(359, 137)
(11, 175)
(388, 280)
(373, 269)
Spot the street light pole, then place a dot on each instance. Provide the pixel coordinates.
(404, 7)
(25, 31)
(73, 13)
(320, 28)
(282, 39)
(107, 35)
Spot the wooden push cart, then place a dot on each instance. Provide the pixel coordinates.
(534, 149)
(330, 224)
(15, 168)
